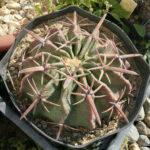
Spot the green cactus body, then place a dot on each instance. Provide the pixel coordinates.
(74, 77)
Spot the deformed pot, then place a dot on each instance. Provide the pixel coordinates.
(141, 65)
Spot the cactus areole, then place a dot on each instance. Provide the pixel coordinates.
(75, 75)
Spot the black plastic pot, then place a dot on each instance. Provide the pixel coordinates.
(44, 142)
(130, 48)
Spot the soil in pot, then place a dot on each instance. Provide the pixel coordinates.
(61, 67)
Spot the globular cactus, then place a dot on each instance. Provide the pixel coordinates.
(73, 76)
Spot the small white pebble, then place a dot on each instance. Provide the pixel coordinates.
(7, 18)
(24, 21)
(29, 16)
(12, 29)
(22, 13)
(5, 28)
(23, 2)
(2, 32)
(28, 7)
(4, 11)
(134, 146)
(17, 16)
(13, 5)
(14, 23)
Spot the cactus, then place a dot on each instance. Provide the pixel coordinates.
(74, 77)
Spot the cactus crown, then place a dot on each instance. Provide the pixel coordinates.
(74, 77)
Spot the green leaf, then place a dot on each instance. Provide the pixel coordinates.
(140, 29)
(148, 45)
(98, 12)
(125, 28)
(117, 9)
(114, 4)
(148, 55)
(114, 15)
(38, 8)
(122, 13)
(87, 3)
(95, 1)
(70, 2)
(60, 6)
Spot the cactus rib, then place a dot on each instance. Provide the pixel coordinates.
(75, 77)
